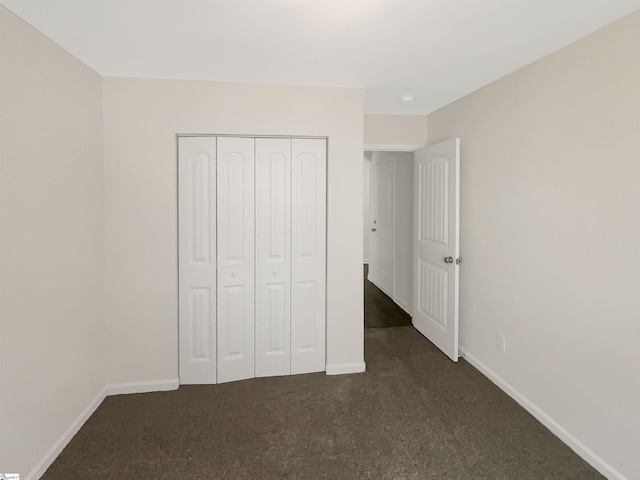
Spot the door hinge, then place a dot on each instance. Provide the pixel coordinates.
(458, 260)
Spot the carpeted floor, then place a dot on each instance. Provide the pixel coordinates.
(412, 415)
(379, 310)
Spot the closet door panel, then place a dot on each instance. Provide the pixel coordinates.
(273, 256)
(235, 254)
(197, 259)
(308, 255)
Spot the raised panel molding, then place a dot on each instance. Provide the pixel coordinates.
(231, 324)
(306, 294)
(277, 324)
(434, 212)
(200, 323)
(277, 206)
(433, 300)
(307, 210)
(233, 201)
(202, 213)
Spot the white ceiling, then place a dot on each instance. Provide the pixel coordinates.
(437, 50)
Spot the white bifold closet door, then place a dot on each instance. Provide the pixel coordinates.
(273, 256)
(236, 263)
(252, 258)
(290, 256)
(197, 254)
(308, 254)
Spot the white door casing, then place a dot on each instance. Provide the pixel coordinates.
(308, 255)
(383, 197)
(273, 257)
(197, 259)
(436, 244)
(236, 259)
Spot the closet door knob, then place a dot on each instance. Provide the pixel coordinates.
(275, 272)
(233, 275)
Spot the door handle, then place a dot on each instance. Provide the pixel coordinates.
(374, 230)
(448, 259)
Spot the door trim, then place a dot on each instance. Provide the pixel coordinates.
(391, 147)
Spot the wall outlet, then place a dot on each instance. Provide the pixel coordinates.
(501, 342)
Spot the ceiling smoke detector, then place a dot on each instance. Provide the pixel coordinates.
(407, 99)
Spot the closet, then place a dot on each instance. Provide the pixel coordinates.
(252, 257)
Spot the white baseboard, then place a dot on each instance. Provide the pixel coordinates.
(558, 430)
(345, 368)
(113, 389)
(66, 437)
(402, 305)
(143, 387)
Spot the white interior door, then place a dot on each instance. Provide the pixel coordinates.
(197, 259)
(273, 257)
(436, 244)
(236, 265)
(308, 254)
(383, 224)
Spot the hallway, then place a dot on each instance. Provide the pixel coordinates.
(380, 311)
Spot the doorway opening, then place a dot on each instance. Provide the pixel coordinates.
(414, 245)
(387, 236)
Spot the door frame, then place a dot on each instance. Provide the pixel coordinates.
(391, 147)
(386, 147)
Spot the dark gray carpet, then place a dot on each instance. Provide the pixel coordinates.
(379, 310)
(412, 415)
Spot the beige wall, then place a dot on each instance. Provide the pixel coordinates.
(51, 251)
(395, 129)
(142, 118)
(366, 211)
(550, 234)
(403, 235)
